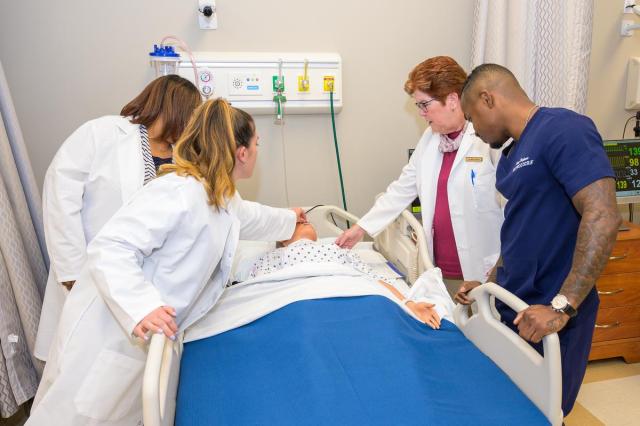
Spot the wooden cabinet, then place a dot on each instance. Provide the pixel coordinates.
(617, 330)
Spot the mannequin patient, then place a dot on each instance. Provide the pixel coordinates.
(303, 247)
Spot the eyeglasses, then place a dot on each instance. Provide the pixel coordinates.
(424, 105)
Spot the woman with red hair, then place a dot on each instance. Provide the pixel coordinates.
(453, 173)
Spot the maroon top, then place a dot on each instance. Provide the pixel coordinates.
(445, 251)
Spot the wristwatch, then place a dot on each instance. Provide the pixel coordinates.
(560, 303)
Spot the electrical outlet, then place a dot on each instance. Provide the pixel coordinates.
(627, 3)
(328, 83)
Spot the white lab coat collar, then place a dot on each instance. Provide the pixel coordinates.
(126, 125)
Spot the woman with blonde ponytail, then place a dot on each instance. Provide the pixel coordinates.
(157, 266)
(95, 171)
(208, 150)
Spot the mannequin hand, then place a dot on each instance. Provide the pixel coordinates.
(425, 312)
(301, 217)
(350, 237)
(462, 294)
(160, 320)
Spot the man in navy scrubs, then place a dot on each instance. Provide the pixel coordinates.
(561, 217)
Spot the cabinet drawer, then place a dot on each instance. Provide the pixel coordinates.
(625, 257)
(617, 323)
(619, 290)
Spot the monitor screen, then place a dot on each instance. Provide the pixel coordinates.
(624, 155)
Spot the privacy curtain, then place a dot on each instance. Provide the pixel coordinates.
(545, 43)
(23, 269)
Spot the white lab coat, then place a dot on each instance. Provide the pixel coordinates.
(165, 247)
(93, 173)
(476, 212)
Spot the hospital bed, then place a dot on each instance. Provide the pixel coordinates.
(538, 377)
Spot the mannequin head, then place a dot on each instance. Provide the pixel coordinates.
(303, 231)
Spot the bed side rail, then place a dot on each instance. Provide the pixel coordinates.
(415, 230)
(540, 378)
(323, 218)
(403, 242)
(160, 382)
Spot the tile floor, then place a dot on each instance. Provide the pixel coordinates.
(600, 372)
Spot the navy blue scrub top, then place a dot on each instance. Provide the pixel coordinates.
(559, 153)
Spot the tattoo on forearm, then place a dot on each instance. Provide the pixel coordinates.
(554, 325)
(596, 236)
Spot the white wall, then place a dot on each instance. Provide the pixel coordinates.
(68, 62)
(608, 73)
(608, 69)
(71, 61)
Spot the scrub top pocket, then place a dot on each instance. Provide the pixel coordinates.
(484, 192)
(111, 388)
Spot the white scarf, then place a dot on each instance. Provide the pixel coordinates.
(449, 145)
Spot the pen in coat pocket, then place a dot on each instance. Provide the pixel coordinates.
(473, 177)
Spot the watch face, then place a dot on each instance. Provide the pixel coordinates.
(559, 302)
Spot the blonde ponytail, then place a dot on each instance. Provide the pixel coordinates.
(206, 150)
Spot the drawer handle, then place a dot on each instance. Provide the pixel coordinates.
(609, 293)
(624, 256)
(614, 325)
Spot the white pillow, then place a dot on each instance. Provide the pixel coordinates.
(247, 253)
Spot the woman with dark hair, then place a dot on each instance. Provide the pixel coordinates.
(95, 171)
(453, 173)
(158, 265)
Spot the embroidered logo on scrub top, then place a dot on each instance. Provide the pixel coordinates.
(523, 162)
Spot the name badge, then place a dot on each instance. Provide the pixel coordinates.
(473, 159)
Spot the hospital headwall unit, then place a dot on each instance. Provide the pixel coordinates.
(260, 82)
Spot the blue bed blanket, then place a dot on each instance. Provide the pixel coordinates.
(345, 361)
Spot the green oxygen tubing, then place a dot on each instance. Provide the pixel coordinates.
(335, 142)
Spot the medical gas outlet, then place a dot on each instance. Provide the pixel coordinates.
(278, 83)
(206, 83)
(328, 83)
(279, 98)
(303, 80)
(303, 84)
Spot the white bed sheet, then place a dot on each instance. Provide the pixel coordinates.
(250, 300)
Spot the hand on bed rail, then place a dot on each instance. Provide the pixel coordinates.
(462, 296)
(537, 321)
(350, 237)
(160, 320)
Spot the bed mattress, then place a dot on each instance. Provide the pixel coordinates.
(343, 361)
